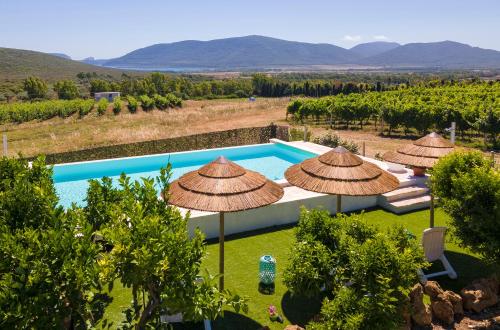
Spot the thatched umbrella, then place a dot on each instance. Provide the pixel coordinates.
(340, 172)
(223, 186)
(421, 155)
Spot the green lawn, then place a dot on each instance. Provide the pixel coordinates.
(242, 256)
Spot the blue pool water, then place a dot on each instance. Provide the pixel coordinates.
(271, 160)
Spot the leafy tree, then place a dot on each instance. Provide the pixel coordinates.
(27, 194)
(469, 190)
(35, 87)
(66, 90)
(367, 272)
(49, 277)
(99, 85)
(153, 254)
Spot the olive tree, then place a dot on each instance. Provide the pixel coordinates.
(469, 190)
(66, 90)
(35, 87)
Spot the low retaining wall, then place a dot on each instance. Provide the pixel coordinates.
(229, 138)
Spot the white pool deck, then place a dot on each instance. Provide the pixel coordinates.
(287, 209)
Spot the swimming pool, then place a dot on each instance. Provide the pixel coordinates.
(271, 160)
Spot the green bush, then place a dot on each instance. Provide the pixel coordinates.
(102, 106)
(367, 272)
(469, 190)
(161, 102)
(173, 100)
(333, 140)
(132, 104)
(117, 105)
(147, 103)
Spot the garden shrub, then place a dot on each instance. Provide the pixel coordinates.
(27, 194)
(333, 140)
(469, 190)
(147, 103)
(132, 104)
(366, 273)
(102, 106)
(117, 106)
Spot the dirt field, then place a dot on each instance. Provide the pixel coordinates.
(72, 133)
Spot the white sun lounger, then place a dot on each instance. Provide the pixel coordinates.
(433, 244)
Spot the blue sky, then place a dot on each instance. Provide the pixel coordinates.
(110, 28)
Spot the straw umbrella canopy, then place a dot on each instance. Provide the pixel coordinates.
(422, 153)
(340, 172)
(223, 186)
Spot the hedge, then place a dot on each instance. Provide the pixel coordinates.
(234, 137)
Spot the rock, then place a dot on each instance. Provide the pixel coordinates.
(442, 309)
(294, 327)
(491, 282)
(420, 312)
(456, 300)
(479, 295)
(432, 289)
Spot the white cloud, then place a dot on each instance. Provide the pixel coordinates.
(380, 37)
(352, 38)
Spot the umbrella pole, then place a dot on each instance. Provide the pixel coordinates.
(431, 209)
(221, 250)
(339, 203)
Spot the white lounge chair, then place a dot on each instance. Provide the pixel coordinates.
(433, 244)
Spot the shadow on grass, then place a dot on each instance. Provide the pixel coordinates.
(252, 233)
(468, 268)
(233, 320)
(188, 326)
(300, 310)
(101, 301)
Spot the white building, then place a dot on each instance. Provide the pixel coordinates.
(110, 96)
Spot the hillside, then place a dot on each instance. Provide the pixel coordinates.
(241, 52)
(373, 48)
(258, 52)
(444, 54)
(16, 64)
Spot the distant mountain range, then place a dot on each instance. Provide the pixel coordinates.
(258, 52)
(253, 53)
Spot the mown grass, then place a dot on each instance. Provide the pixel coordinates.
(244, 250)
